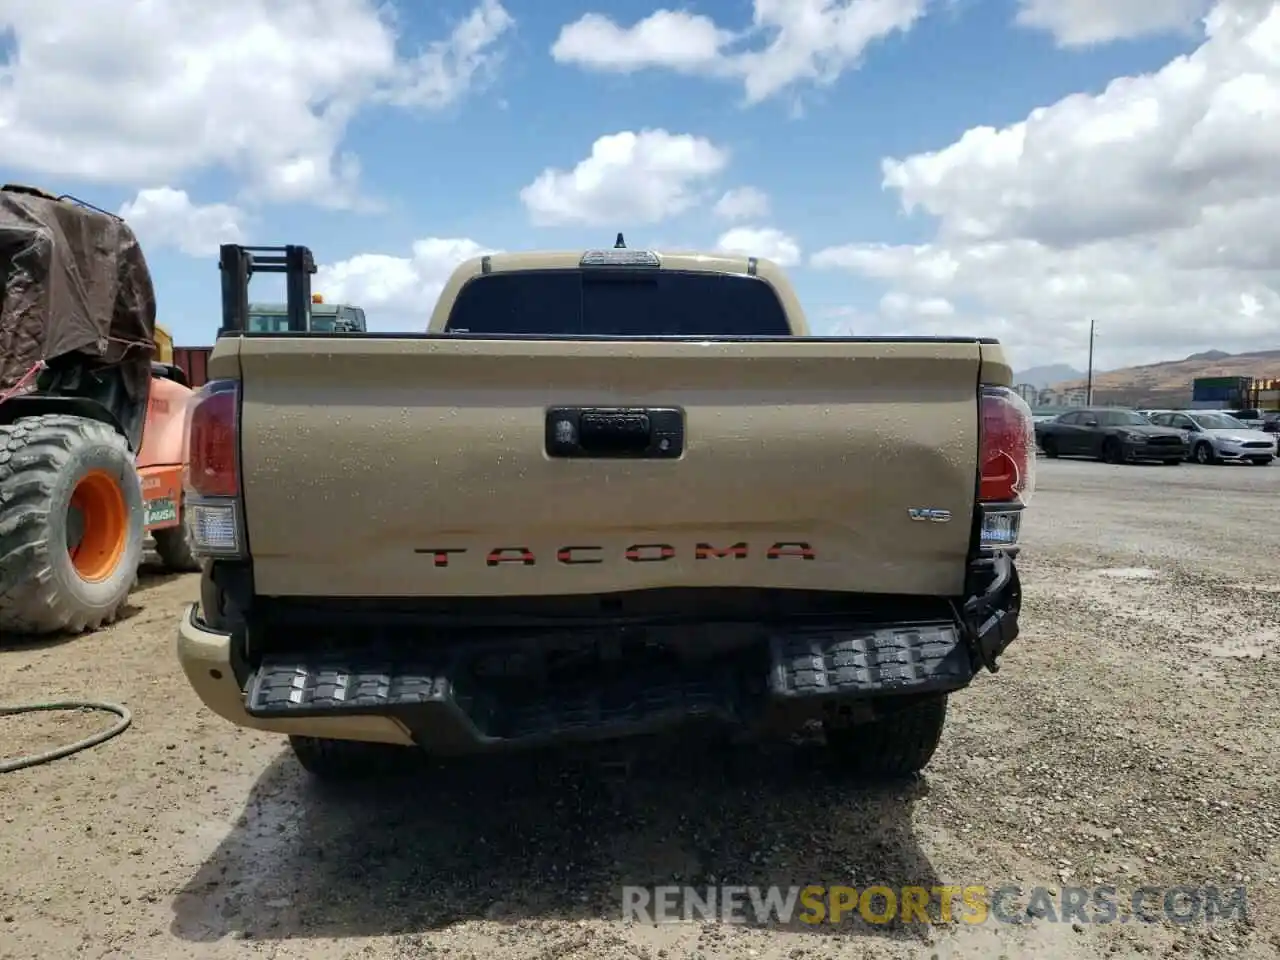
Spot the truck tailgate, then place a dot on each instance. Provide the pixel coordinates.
(418, 466)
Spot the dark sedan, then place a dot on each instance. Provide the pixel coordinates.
(1110, 435)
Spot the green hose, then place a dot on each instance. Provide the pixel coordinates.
(35, 759)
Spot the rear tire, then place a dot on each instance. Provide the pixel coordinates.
(893, 747)
(173, 546)
(1050, 447)
(344, 760)
(71, 528)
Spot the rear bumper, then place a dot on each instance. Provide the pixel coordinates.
(206, 659)
(518, 693)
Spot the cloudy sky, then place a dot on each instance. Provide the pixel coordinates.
(996, 167)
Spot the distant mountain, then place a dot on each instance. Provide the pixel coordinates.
(1042, 377)
(1168, 384)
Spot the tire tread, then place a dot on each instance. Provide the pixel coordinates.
(349, 760)
(34, 452)
(174, 548)
(893, 747)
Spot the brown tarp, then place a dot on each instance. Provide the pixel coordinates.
(75, 283)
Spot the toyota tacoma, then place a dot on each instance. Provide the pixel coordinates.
(603, 494)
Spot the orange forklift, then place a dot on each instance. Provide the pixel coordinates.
(92, 426)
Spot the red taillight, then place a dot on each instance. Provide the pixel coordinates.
(213, 467)
(1007, 448)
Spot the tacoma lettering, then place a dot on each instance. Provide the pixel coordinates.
(636, 553)
(649, 552)
(510, 555)
(801, 551)
(705, 551)
(569, 555)
(440, 557)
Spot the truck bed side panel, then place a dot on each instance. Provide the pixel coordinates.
(364, 458)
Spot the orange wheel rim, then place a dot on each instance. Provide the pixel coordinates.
(103, 526)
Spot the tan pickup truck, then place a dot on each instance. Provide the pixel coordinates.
(604, 494)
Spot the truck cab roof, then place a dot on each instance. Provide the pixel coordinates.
(580, 291)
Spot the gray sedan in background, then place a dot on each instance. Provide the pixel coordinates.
(1219, 437)
(1110, 434)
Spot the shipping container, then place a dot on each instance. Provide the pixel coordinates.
(1226, 391)
(194, 362)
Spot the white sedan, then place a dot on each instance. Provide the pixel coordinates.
(1220, 437)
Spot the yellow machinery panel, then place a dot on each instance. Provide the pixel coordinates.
(164, 345)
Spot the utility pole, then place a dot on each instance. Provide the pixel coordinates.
(1088, 386)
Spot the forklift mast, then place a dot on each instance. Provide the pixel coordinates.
(238, 264)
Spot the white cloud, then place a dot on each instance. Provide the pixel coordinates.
(117, 91)
(742, 203)
(165, 217)
(673, 39)
(398, 293)
(1150, 208)
(1081, 23)
(766, 242)
(629, 177)
(803, 41)
(905, 306)
(447, 69)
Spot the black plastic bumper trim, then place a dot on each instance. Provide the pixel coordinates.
(990, 619)
(477, 697)
(442, 701)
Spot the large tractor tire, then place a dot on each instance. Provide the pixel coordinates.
(173, 547)
(71, 525)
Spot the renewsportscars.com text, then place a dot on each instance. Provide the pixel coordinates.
(973, 904)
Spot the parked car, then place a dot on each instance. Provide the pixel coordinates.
(1112, 435)
(1271, 421)
(1218, 437)
(1251, 418)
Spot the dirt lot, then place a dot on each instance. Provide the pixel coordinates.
(1129, 740)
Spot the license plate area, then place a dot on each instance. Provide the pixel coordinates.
(160, 510)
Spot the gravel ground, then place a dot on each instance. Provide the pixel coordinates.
(1128, 740)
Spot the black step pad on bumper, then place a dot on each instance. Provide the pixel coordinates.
(448, 699)
(443, 713)
(873, 661)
